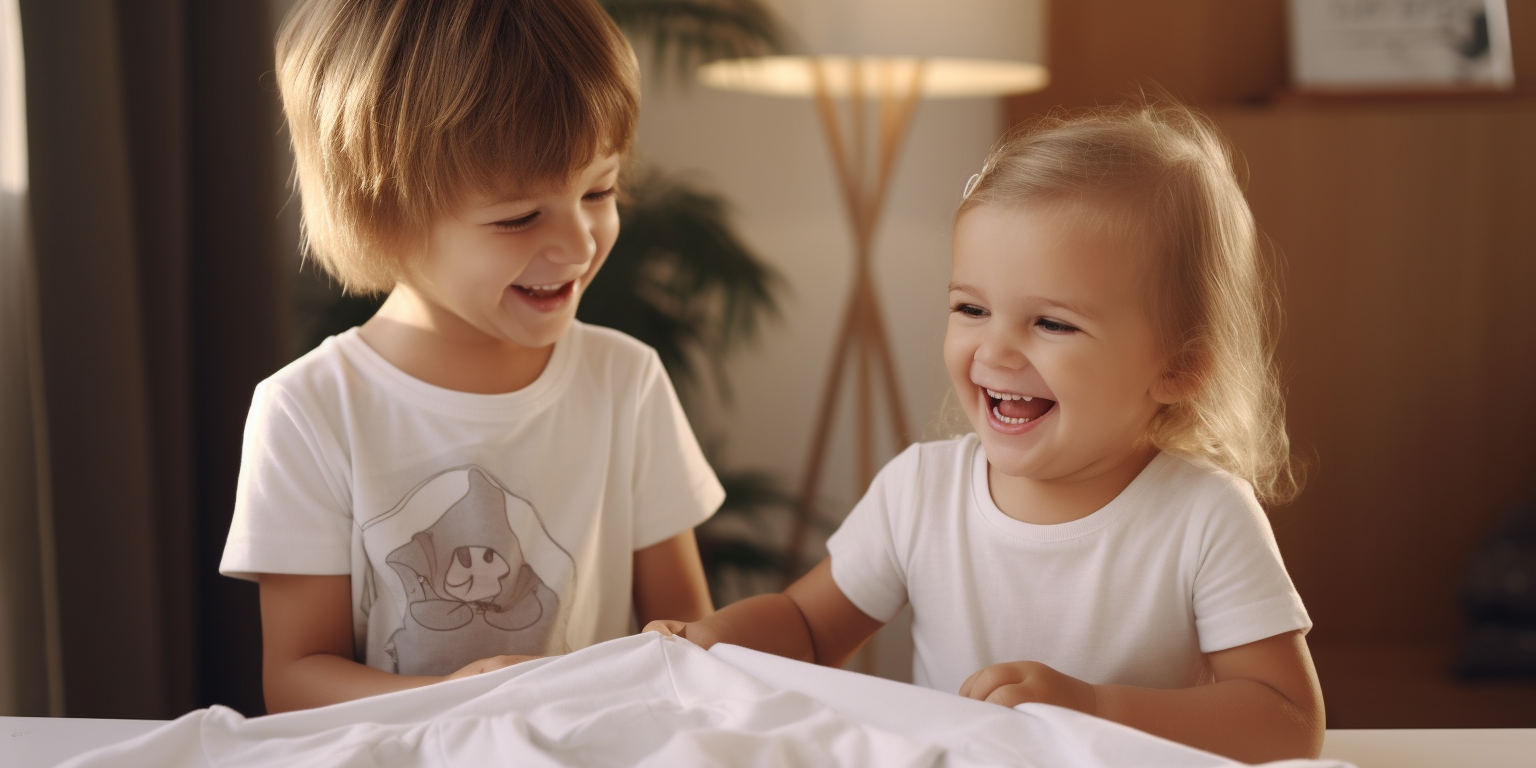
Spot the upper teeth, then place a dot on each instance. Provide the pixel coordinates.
(550, 287)
(1007, 396)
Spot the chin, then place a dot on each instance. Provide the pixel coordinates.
(545, 334)
(1008, 462)
(536, 341)
(1009, 454)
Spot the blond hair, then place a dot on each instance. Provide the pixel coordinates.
(1212, 301)
(399, 108)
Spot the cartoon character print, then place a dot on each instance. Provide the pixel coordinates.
(471, 592)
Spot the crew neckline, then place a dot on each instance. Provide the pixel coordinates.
(1099, 519)
(539, 393)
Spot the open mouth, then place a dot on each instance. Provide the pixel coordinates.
(1015, 409)
(546, 292)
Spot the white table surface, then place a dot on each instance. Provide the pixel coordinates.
(42, 742)
(1434, 748)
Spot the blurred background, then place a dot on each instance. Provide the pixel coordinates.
(164, 281)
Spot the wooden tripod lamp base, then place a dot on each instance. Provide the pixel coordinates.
(862, 343)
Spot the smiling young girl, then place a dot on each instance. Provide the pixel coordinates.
(472, 478)
(1098, 542)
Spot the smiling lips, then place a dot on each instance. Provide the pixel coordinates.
(546, 298)
(1014, 409)
(544, 291)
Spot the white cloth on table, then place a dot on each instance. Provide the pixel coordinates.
(652, 701)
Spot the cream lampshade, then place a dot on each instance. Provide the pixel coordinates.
(894, 53)
(967, 48)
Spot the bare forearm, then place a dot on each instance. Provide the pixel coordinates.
(811, 621)
(324, 678)
(669, 581)
(768, 623)
(1242, 719)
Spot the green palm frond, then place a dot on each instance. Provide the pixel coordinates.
(749, 492)
(738, 557)
(679, 279)
(683, 34)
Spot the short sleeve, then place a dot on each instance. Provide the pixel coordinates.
(675, 488)
(1242, 592)
(866, 564)
(292, 515)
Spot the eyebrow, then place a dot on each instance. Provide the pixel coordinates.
(1057, 303)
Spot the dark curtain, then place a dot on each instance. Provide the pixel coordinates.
(157, 183)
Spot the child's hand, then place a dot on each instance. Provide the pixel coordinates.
(693, 632)
(668, 628)
(488, 665)
(1021, 682)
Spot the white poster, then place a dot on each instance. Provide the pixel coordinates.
(1400, 44)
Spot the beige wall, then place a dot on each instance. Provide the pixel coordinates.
(769, 158)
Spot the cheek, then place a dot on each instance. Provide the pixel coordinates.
(502, 262)
(604, 240)
(605, 232)
(951, 349)
(1119, 385)
(958, 352)
(1140, 367)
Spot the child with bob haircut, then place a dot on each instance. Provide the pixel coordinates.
(1098, 542)
(471, 478)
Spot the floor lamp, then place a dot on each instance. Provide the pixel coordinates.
(889, 55)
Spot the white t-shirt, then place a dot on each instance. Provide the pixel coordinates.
(1180, 564)
(472, 525)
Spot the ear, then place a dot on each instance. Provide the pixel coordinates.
(1179, 380)
(1167, 389)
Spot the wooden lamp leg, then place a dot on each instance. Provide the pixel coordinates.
(861, 340)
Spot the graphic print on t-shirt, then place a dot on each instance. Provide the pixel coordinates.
(478, 573)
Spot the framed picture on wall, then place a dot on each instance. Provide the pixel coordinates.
(1400, 45)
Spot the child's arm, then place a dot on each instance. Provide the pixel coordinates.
(1264, 705)
(306, 636)
(812, 620)
(669, 581)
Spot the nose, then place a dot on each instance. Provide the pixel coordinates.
(1002, 348)
(572, 242)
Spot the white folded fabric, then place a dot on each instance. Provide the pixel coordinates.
(647, 700)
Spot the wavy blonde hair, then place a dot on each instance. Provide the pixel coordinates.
(398, 108)
(1168, 173)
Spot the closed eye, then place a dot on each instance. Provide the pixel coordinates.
(523, 222)
(518, 224)
(1054, 326)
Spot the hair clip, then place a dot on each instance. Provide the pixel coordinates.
(970, 185)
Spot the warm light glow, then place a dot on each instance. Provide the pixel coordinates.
(13, 124)
(943, 77)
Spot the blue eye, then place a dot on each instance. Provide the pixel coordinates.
(1054, 326)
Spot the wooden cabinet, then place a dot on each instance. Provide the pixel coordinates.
(1406, 234)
